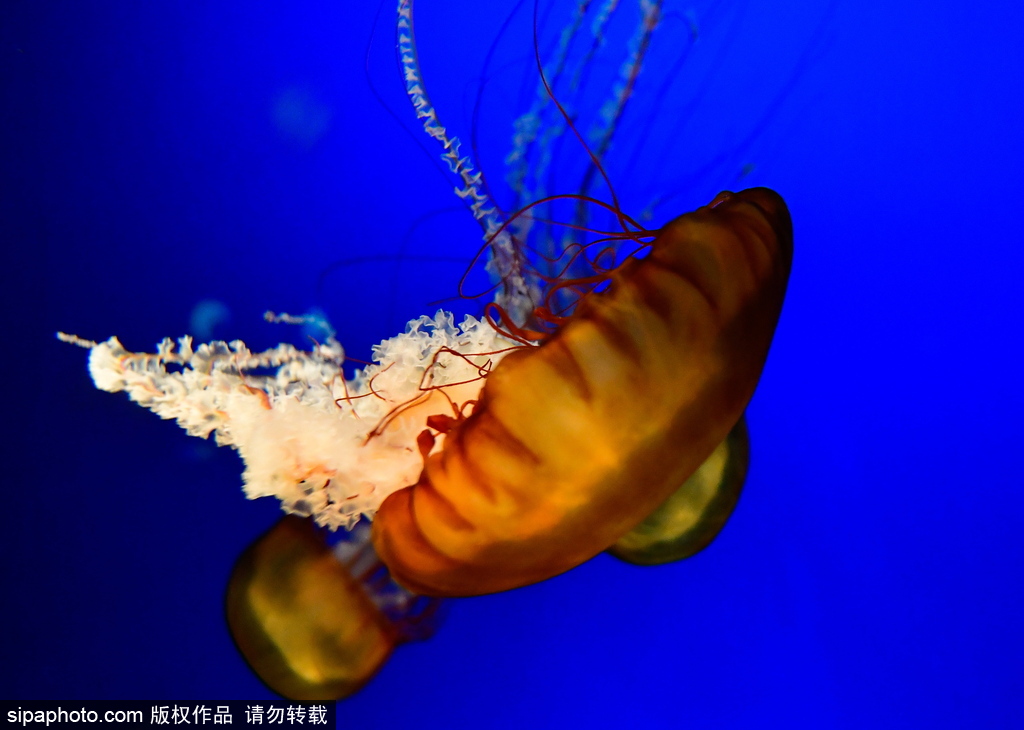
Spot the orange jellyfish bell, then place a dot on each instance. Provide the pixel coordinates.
(573, 443)
(316, 622)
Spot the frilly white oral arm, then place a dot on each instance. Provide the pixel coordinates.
(308, 435)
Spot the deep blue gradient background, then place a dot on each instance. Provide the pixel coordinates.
(160, 154)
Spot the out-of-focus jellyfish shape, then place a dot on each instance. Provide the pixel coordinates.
(316, 622)
(597, 405)
(208, 316)
(301, 116)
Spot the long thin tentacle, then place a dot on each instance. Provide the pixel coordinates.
(518, 293)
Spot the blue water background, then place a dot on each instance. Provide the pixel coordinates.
(159, 155)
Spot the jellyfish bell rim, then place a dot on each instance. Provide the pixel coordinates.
(662, 537)
(773, 209)
(768, 203)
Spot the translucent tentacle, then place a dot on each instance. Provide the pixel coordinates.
(536, 131)
(613, 109)
(518, 294)
(529, 125)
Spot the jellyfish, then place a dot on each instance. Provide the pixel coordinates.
(596, 404)
(574, 442)
(587, 429)
(316, 622)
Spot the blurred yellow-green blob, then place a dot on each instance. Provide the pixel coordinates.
(690, 519)
(301, 620)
